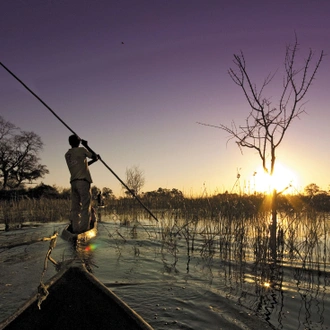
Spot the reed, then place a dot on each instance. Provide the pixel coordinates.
(233, 228)
(226, 233)
(16, 213)
(236, 230)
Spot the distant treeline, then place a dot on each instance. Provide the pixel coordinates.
(37, 192)
(174, 199)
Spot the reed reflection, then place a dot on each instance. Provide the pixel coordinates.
(235, 245)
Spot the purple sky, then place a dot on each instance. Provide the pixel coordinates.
(137, 103)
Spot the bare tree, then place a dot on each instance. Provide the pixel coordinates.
(7, 129)
(19, 161)
(135, 179)
(266, 123)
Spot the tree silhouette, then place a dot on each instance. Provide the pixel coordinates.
(19, 161)
(267, 123)
(135, 179)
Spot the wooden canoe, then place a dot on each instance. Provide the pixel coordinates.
(83, 237)
(76, 300)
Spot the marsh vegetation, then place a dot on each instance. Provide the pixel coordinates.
(236, 228)
(223, 239)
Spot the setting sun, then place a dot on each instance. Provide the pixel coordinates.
(283, 179)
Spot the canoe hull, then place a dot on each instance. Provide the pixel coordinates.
(76, 300)
(83, 237)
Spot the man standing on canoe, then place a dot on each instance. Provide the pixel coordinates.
(76, 159)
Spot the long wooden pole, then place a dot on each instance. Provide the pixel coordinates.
(70, 129)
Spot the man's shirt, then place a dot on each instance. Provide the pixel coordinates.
(77, 164)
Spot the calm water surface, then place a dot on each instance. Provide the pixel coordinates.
(169, 286)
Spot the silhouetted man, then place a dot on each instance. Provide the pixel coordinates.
(80, 180)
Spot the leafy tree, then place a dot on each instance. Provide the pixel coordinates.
(163, 197)
(43, 190)
(94, 192)
(312, 189)
(19, 161)
(65, 193)
(107, 193)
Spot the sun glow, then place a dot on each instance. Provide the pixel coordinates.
(283, 179)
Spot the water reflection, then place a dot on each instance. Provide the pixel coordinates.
(272, 295)
(204, 261)
(235, 260)
(293, 287)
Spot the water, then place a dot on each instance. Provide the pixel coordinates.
(169, 287)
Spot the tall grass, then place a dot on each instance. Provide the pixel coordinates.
(16, 213)
(228, 233)
(233, 236)
(236, 231)
(233, 228)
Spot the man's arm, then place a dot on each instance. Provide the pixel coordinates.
(95, 157)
